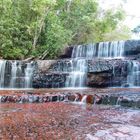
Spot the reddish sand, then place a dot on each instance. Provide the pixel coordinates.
(65, 121)
(68, 121)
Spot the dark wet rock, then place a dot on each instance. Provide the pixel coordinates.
(49, 80)
(124, 98)
(113, 100)
(78, 97)
(132, 47)
(108, 100)
(11, 99)
(127, 103)
(99, 80)
(4, 99)
(67, 52)
(61, 65)
(54, 98)
(61, 98)
(71, 97)
(107, 73)
(24, 99)
(41, 99)
(138, 104)
(105, 99)
(98, 99)
(95, 66)
(90, 99)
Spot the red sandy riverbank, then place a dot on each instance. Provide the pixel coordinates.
(68, 121)
(64, 121)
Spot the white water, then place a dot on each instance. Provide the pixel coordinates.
(103, 49)
(111, 49)
(84, 99)
(16, 69)
(2, 72)
(18, 76)
(133, 78)
(28, 75)
(78, 76)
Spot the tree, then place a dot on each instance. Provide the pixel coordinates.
(44, 27)
(120, 33)
(136, 31)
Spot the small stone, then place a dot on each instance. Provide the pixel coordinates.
(90, 99)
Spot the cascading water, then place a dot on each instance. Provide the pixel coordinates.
(28, 75)
(103, 49)
(73, 72)
(77, 77)
(133, 78)
(80, 55)
(111, 49)
(2, 72)
(15, 74)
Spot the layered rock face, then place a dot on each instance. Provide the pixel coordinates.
(105, 64)
(103, 73)
(100, 73)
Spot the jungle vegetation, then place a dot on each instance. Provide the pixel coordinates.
(36, 28)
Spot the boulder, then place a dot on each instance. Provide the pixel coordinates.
(104, 73)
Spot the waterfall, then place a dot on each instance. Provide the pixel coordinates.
(21, 77)
(80, 55)
(2, 72)
(28, 75)
(103, 49)
(77, 77)
(111, 49)
(15, 74)
(133, 78)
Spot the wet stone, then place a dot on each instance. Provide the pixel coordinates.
(54, 98)
(71, 97)
(127, 103)
(3, 99)
(105, 99)
(90, 99)
(61, 98)
(78, 97)
(98, 99)
(113, 100)
(138, 104)
(45, 99)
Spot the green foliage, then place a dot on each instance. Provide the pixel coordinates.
(136, 30)
(120, 33)
(45, 27)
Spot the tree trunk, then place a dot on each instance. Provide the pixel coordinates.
(38, 30)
